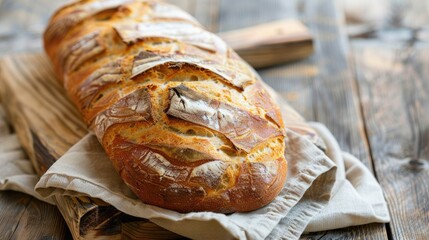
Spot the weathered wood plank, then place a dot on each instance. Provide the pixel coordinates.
(396, 20)
(320, 88)
(41, 221)
(242, 13)
(22, 23)
(147, 230)
(412, 14)
(47, 125)
(294, 83)
(264, 45)
(12, 207)
(24, 217)
(394, 89)
(187, 5)
(34, 102)
(207, 13)
(335, 95)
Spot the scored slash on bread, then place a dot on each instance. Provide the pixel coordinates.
(243, 129)
(186, 122)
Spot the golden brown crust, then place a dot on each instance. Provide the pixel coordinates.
(205, 185)
(186, 122)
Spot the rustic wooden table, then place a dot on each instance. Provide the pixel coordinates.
(372, 92)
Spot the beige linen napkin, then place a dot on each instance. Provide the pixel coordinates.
(86, 170)
(305, 204)
(356, 197)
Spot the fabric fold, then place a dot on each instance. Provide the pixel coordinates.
(85, 170)
(324, 190)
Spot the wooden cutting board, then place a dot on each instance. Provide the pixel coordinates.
(271, 43)
(48, 124)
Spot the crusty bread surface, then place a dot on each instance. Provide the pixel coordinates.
(186, 122)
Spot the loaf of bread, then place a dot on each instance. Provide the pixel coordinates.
(186, 123)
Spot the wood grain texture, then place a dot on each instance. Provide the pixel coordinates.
(45, 120)
(265, 45)
(205, 11)
(147, 230)
(24, 217)
(395, 93)
(321, 88)
(47, 125)
(398, 21)
(41, 221)
(294, 82)
(22, 23)
(411, 14)
(29, 94)
(335, 95)
(242, 13)
(12, 207)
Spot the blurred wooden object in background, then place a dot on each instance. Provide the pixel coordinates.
(265, 45)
